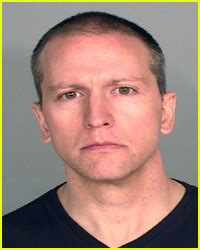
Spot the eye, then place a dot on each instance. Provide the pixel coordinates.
(70, 95)
(125, 90)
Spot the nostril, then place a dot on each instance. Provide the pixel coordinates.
(106, 124)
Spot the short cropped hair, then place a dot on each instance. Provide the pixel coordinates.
(97, 23)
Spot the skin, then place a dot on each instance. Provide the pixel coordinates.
(107, 131)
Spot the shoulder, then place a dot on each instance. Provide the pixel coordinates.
(191, 190)
(21, 223)
(190, 199)
(185, 225)
(188, 207)
(31, 211)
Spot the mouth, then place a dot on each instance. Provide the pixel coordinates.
(103, 147)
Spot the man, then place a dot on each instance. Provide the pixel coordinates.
(103, 105)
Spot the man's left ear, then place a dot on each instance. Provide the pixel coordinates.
(168, 112)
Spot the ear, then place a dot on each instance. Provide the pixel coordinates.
(168, 112)
(45, 135)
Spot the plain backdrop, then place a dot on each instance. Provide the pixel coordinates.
(30, 168)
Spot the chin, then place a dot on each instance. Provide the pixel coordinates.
(105, 167)
(110, 179)
(109, 173)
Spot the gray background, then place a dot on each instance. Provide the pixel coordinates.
(31, 168)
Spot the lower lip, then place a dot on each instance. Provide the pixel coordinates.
(104, 148)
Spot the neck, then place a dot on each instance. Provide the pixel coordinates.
(110, 207)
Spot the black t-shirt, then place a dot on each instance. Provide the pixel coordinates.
(44, 223)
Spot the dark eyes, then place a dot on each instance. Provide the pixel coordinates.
(120, 91)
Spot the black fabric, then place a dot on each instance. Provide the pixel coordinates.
(44, 223)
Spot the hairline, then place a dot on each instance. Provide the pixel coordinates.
(155, 55)
(90, 34)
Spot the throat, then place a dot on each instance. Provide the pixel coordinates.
(114, 214)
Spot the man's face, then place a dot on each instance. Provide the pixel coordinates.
(101, 109)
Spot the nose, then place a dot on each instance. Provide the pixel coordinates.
(98, 113)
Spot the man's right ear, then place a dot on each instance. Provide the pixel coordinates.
(45, 135)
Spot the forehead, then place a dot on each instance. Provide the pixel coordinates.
(108, 54)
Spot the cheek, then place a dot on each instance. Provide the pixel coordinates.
(140, 120)
(64, 128)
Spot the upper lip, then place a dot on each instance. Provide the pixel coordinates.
(101, 144)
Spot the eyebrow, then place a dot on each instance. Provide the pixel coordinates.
(128, 79)
(63, 85)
